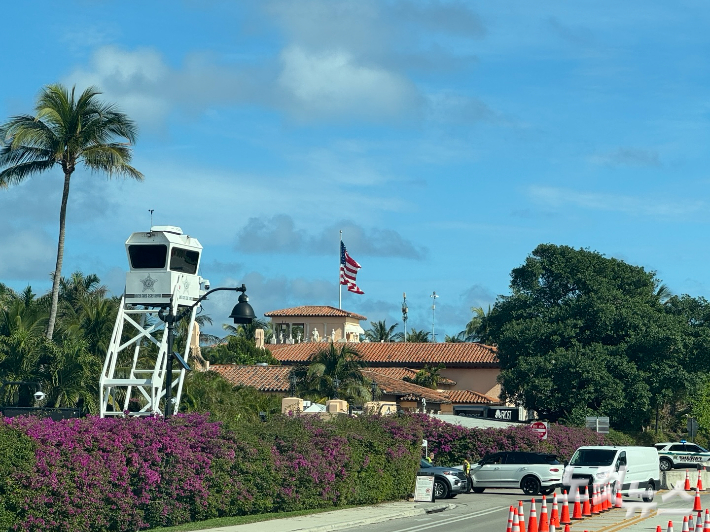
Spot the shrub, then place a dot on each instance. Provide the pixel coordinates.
(124, 474)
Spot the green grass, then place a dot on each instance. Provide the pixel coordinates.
(244, 519)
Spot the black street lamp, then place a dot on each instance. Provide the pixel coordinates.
(373, 389)
(336, 384)
(293, 380)
(242, 313)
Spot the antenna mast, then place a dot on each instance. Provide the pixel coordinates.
(433, 315)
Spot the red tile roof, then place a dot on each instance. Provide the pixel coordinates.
(264, 378)
(400, 373)
(315, 311)
(460, 354)
(404, 390)
(469, 397)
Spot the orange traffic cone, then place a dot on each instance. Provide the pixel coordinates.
(552, 528)
(700, 480)
(564, 519)
(567, 528)
(697, 506)
(544, 524)
(699, 522)
(603, 507)
(510, 519)
(516, 523)
(532, 522)
(687, 481)
(685, 524)
(577, 511)
(706, 523)
(555, 516)
(619, 501)
(658, 528)
(595, 501)
(521, 516)
(670, 526)
(586, 505)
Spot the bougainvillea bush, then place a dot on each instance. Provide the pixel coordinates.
(452, 443)
(124, 474)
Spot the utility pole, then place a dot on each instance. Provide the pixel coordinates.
(433, 315)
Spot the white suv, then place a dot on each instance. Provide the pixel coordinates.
(681, 454)
(531, 472)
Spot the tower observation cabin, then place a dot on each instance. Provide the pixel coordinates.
(163, 275)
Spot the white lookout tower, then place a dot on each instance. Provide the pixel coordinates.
(164, 265)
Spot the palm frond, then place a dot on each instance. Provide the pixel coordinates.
(18, 173)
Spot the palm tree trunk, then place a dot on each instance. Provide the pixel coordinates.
(60, 258)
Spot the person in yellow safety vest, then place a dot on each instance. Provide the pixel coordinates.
(430, 458)
(467, 471)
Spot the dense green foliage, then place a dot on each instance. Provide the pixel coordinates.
(333, 370)
(238, 350)
(582, 334)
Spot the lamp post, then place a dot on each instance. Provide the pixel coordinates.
(373, 390)
(433, 316)
(293, 380)
(404, 314)
(336, 384)
(242, 313)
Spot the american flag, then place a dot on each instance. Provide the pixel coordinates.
(348, 270)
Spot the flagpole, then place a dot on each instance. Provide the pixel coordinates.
(340, 286)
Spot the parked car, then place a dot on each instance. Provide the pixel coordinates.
(635, 467)
(448, 481)
(531, 472)
(681, 454)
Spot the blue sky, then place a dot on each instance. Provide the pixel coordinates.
(446, 139)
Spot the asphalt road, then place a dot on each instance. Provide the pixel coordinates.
(488, 511)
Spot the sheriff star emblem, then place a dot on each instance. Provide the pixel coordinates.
(148, 283)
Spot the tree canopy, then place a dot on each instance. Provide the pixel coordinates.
(582, 334)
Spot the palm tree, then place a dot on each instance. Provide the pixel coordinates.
(379, 332)
(421, 337)
(333, 371)
(456, 339)
(66, 131)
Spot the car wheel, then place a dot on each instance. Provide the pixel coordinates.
(478, 490)
(665, 464)
(547, 491)
(649, 492)
(441, 489)
(530, 485)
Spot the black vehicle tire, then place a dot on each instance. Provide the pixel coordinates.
(665, 464)
(478, 490)
(441, 489)
(547, 491)
(530, 485)
(649, 492)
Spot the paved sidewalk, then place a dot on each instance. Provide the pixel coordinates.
(340, 519)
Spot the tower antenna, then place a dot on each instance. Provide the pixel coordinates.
(433, 316)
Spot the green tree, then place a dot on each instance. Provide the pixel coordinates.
(428, 376)
(456, 339)
(582, 334)
(238, 350)
(66, 131)
(341, 362)
(418, 337)
(379, 332)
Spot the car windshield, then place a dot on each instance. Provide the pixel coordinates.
(593, 457)
(424, 463)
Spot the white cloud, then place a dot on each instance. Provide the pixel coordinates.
(333, 84)
(633, 205)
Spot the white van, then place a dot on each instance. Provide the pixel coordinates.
(636, 468)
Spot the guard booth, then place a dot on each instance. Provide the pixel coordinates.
(163, 273)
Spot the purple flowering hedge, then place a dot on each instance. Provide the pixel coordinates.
(452, 443)
(135, 473)
(131, 474)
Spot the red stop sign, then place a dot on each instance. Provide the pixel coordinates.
(539, 428)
